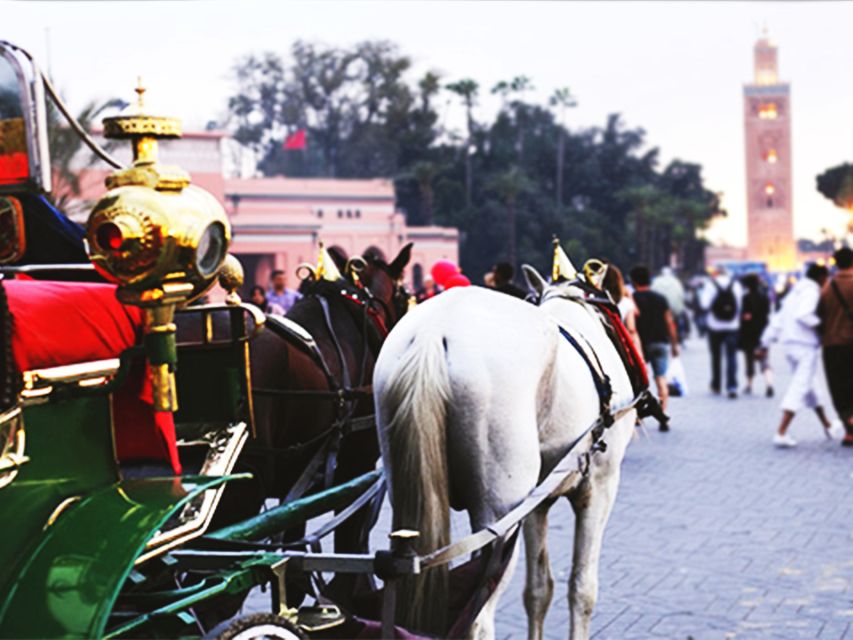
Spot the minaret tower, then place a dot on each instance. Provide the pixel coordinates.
(767, 125)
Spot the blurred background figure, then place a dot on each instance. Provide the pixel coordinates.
(279, 294)
(428, 290)
(503, 274)
(754, 317)
(720, 297)
(836, 312)
(614, 284)
(658, 334)
(258, 297)
(796, 327)
(692, 301)
(670, 287)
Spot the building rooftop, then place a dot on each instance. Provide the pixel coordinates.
(310, 187)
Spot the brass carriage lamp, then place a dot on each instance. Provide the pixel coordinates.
(162, 240)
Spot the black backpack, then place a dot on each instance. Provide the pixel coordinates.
(724, 306)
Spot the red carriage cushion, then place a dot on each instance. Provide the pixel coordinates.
(61, 323)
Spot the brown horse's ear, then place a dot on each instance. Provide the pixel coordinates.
(399, 263)
(340, 258)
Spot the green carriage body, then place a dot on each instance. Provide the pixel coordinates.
(75, 526)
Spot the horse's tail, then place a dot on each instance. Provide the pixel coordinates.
(415, 405)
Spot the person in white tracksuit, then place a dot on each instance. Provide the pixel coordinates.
(795, 326)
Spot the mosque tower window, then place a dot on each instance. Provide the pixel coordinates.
(768, 111)
(769, 191)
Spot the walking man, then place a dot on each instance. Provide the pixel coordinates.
(796, 327)
(279, 293)
(836, 312)
(721, 297)
(656, 327)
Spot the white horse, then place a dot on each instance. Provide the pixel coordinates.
(478, 397)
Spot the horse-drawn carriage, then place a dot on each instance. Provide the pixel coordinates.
(145, 433)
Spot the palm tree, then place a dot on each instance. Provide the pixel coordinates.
(509, 185)
(467, 90)
(519, 85)
(424, 173)
(65, 145)
(563, 99)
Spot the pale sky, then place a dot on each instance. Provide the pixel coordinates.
(675, 69)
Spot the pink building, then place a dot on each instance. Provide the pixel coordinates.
(278, 223)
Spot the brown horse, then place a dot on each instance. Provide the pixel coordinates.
(301, 422)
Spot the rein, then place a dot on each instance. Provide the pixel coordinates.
(343, 392)
(567, 465)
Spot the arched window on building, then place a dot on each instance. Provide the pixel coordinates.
(319, 213)
(418, 276)
(340, 213)
(768, 111)
(358, 213)
(769, 193)
(349, 213)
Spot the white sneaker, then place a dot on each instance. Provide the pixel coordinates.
(836, 430)
(786, 441)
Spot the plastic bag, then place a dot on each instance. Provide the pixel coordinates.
(676, 378)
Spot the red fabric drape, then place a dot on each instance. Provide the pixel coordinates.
(61, 323)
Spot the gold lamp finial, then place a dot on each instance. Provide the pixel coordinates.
(144, 130)
(140, 95)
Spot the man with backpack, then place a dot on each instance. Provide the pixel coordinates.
(836, 312)
(721, 296)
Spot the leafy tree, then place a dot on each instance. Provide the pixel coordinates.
(507, 184)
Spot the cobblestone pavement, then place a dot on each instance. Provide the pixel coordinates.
(715, 533)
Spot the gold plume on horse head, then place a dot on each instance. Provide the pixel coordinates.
(562, 268)
(326, 269)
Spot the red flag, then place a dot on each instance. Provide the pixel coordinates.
(295, 140)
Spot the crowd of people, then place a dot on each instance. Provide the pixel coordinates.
(812, 321)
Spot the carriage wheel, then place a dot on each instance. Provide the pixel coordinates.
(256, 625)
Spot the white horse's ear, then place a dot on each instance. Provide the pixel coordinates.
(535, 281)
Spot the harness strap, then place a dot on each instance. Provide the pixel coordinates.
(306, 478)
(284, 328)
(327, 316)
(601, 379)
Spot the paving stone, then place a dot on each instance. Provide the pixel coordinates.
(715, 534)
